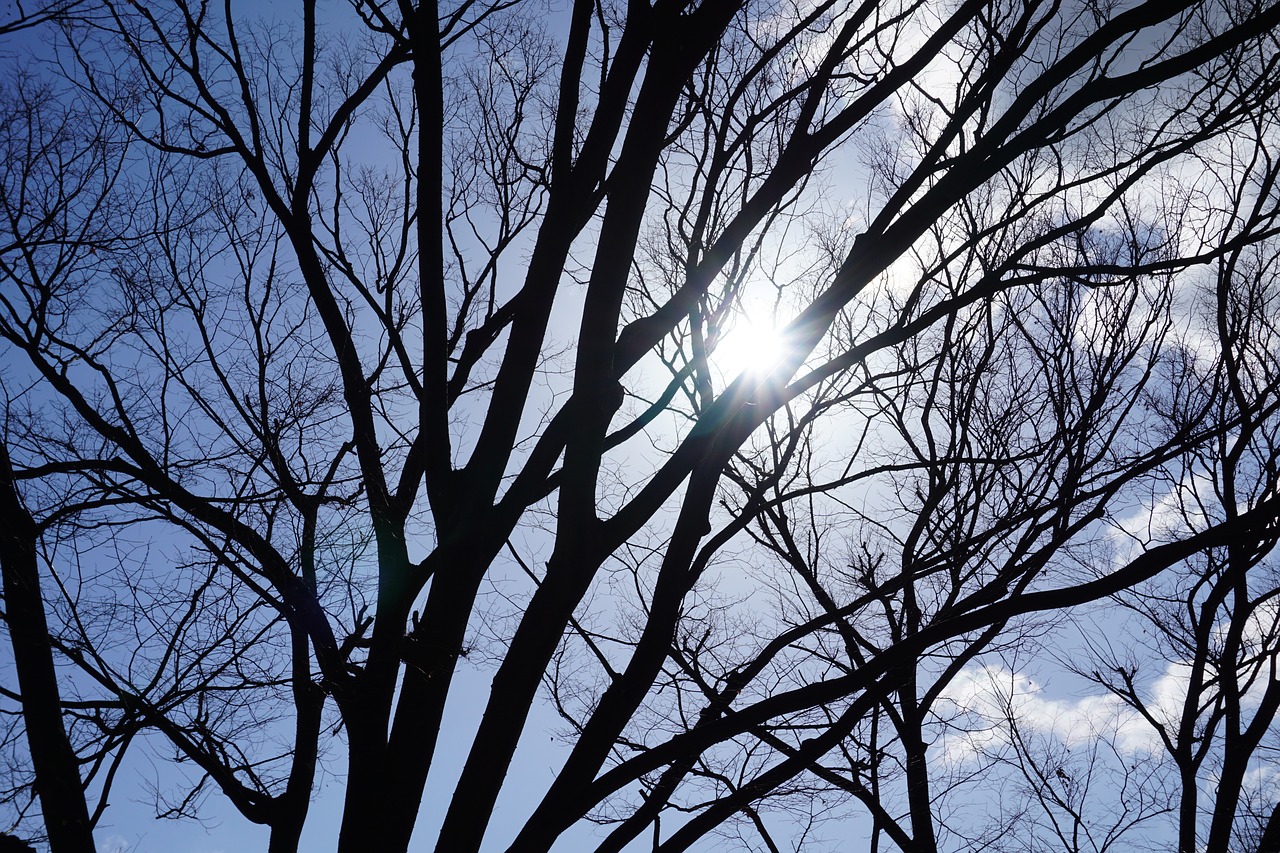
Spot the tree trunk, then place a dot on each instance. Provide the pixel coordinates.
(57, 772)
(1270, 841)
(364, 810)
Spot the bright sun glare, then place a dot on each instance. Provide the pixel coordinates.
(749, 347)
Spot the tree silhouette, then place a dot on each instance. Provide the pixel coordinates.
(345, 346)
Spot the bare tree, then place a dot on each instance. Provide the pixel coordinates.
(33, 119)
(395, 334)
(1178, 746)
(1214, 623)
(56, 770)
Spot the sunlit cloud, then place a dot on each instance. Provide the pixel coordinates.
(994, 695)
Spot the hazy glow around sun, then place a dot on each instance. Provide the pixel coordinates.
(748, 347)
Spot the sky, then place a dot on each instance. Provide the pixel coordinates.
(1056, 708)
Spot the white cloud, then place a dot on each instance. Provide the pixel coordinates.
(988, 696)
(1170, 516)
(114, 844)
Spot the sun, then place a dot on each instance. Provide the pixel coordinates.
(749, 347)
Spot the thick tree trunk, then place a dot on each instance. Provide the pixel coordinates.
(1187, 811)
(364, 813)
(66, 815)
(287, 833)
(1270, 841)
